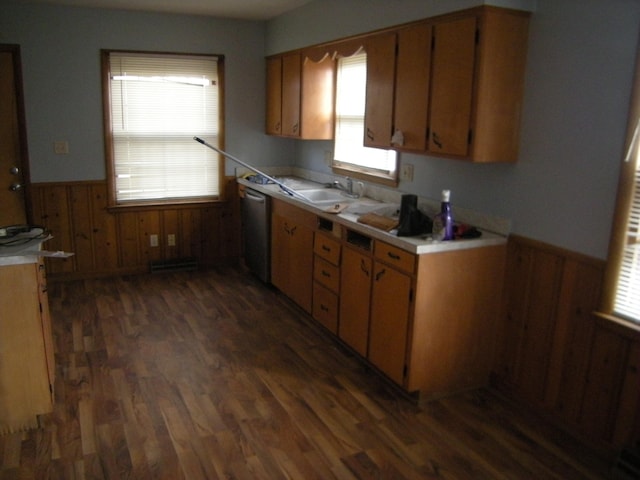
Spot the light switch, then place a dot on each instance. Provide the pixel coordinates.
(61, 147)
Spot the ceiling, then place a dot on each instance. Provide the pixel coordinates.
(240, 9)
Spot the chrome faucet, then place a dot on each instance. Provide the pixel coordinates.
(347, 189)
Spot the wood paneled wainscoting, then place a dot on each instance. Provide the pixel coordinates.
(115, 242)
(559, 357)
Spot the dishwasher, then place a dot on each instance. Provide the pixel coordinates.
(256, 233)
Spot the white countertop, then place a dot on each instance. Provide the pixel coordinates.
(421, 244)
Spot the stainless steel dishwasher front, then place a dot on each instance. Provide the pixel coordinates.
(256, 233)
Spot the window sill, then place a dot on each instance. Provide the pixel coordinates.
(369, 177)
(165, 205)
(620, 325)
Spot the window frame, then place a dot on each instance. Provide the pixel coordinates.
(626, 185)
(342, 167)
(112, 202)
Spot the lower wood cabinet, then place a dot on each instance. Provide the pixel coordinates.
(355, 298)
(292, 252)
(426, 321)
(389, 320)
(453, 323)
(326, 280)
(26, 347)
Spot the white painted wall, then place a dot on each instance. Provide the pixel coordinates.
(579, 73)
(60, 49)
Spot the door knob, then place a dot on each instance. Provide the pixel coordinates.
(15, 187)
(14, 170)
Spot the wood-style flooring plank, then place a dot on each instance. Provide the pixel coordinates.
(213, 375)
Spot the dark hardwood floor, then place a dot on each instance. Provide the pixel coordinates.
(207, 375)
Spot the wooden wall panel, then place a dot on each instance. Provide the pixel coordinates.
(628, 418)
(148, 224)
(52, 211)
(104, 230)
(129, 254)
(112, 242)
(558, 355)
(190, 225)
(604, 378)
(82, 226)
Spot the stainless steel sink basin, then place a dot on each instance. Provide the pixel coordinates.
(323, 196)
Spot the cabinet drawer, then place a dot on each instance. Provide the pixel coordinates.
(327, 248)
(326, 273)
(395, 256)
(294, 215)
(325, 307)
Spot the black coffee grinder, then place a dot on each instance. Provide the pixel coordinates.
(412, 221)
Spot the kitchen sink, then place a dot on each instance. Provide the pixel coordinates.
(323, 196)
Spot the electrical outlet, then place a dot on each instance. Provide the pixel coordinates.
(171, 240)
(406, 172)
(153, 240)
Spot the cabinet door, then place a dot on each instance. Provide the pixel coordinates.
(291, 78)
(380, 86)
(412, 86)
(316, 110)
(452, 86)
(390, 302)
(25, 388)
(355, 296)
(292, 260)
(45, 318)
(279, 252)
(274, 96)
(325, 307)
(301, 266)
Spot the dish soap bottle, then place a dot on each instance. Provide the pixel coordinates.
(443, 221)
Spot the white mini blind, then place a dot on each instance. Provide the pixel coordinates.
(351, 84)
(627, 298)
(158, 104)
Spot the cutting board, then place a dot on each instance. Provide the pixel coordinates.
(337, 208)
(378, 221)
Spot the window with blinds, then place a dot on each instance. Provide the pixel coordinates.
(627, 296)
(157, 104)
(349, 151)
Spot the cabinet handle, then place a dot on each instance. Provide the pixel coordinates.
(295, 128)
(370, 135)
(363, 267)
(286, 228)
(324, 308)
(436, 140)
(393, 256)
(326, 249)
(293, 231)
(326, 274)
(380, 274)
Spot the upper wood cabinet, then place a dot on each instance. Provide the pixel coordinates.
(300, 94)
(413, 67)
(398, 68)
(454, 48)
(283, 95)
(451, 85)
(379, 94)
(477, 84)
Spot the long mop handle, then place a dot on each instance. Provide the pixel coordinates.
(284, 187)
